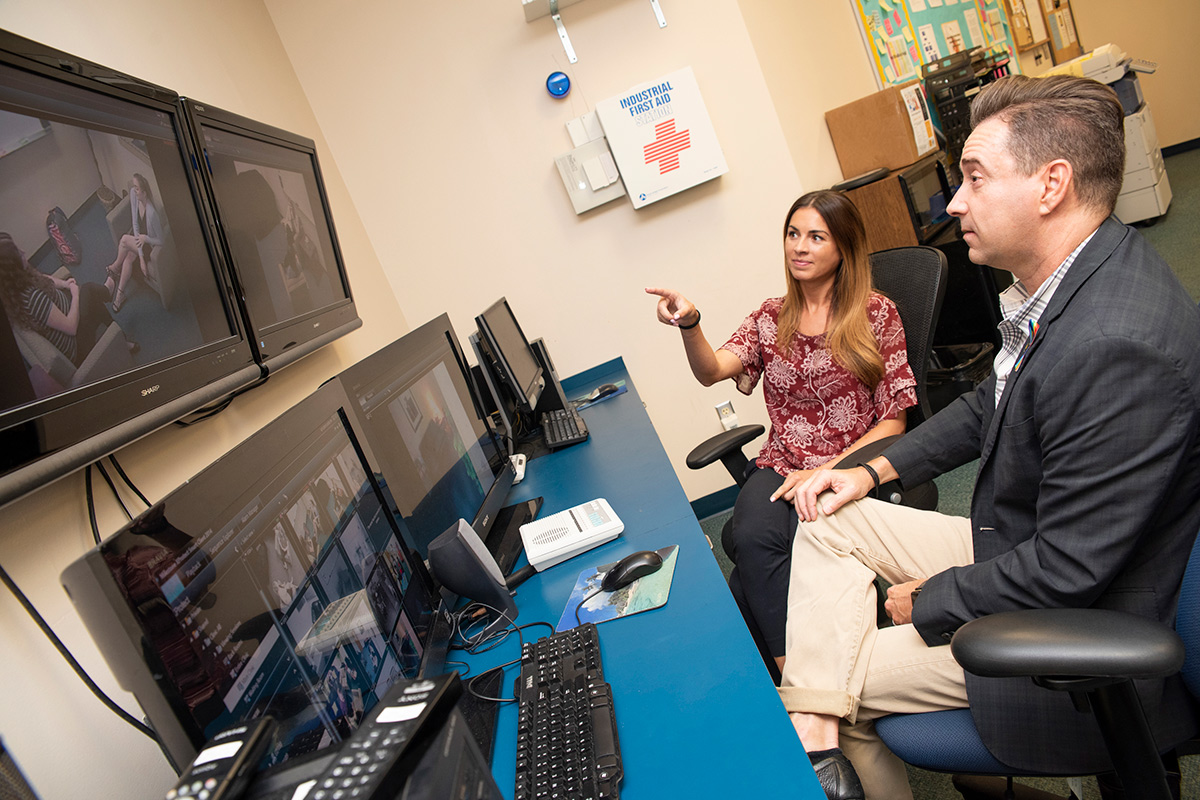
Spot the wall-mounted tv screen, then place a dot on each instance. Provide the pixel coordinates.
(117, 314)
(274, 217)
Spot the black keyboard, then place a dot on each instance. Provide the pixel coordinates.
(563, 426)
(566, 730)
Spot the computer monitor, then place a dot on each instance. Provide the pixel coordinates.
(117, 312)
(274, 582)
(276, 223)
(509, 366)
(439, 457)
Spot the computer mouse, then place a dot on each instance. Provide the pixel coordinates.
(630, 568)
(603, 391)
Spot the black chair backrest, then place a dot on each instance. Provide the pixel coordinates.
(914, 278)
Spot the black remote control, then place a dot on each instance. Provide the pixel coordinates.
(220, 770)
(378, 757)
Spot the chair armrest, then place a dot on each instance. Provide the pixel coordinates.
(723, 443)
(727, 447)
(867, 452)
(1067, 642)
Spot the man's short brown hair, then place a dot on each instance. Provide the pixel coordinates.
(1060, 116)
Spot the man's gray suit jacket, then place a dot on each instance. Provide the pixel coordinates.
(1088, 491)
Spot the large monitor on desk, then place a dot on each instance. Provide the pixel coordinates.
(517, 375)
(275, 582)
(439, 457)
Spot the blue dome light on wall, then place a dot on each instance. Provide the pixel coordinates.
(558, 84)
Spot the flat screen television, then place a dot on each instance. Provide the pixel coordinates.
(274, 218)
(439, 457)
(118, 314)
(509, 368)
(274, 582)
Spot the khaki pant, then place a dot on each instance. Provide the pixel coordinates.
(838, 661)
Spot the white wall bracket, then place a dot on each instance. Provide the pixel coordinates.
(562, 32)
(536, 9)
(662, 21)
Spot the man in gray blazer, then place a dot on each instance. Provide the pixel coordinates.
(1088, 491)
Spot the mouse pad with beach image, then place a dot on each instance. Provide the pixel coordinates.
(643, 594)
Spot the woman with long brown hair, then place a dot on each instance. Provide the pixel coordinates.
(62, 311)
(833, 360)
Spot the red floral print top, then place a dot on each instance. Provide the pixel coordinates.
(818, 408)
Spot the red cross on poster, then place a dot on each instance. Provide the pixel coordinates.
(667, 145)
(661, 137)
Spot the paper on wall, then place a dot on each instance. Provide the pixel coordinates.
(661, 137)
(971, 16)
(918, 117)
(929, 45)
(953, 36)
(900, 59)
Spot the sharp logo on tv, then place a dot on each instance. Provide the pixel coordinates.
(150, 391)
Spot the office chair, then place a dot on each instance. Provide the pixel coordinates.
(914, 278)
(1091, 652)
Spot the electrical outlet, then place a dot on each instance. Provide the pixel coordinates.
(726, 414)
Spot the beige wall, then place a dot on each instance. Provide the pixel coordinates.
(1156, 30)
(813, 60)
(446, 137)
(64, 739)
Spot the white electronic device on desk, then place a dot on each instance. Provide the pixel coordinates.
(557, 537)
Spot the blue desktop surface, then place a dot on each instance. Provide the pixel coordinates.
(697, 714)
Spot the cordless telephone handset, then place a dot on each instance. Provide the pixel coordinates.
(374, 762)
(221, 770)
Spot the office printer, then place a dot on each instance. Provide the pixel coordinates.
(1145, 192)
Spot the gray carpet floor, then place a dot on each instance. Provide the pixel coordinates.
(1174, 236)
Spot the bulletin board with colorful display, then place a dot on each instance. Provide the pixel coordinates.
(902, 35)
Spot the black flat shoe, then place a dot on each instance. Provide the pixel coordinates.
(838, 778)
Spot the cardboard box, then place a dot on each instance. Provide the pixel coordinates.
(889, 129)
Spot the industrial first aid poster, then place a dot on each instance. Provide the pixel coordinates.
(661, 137)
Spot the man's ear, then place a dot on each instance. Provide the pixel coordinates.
(1057, 179)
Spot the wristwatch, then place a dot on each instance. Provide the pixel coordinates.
(916, 592)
